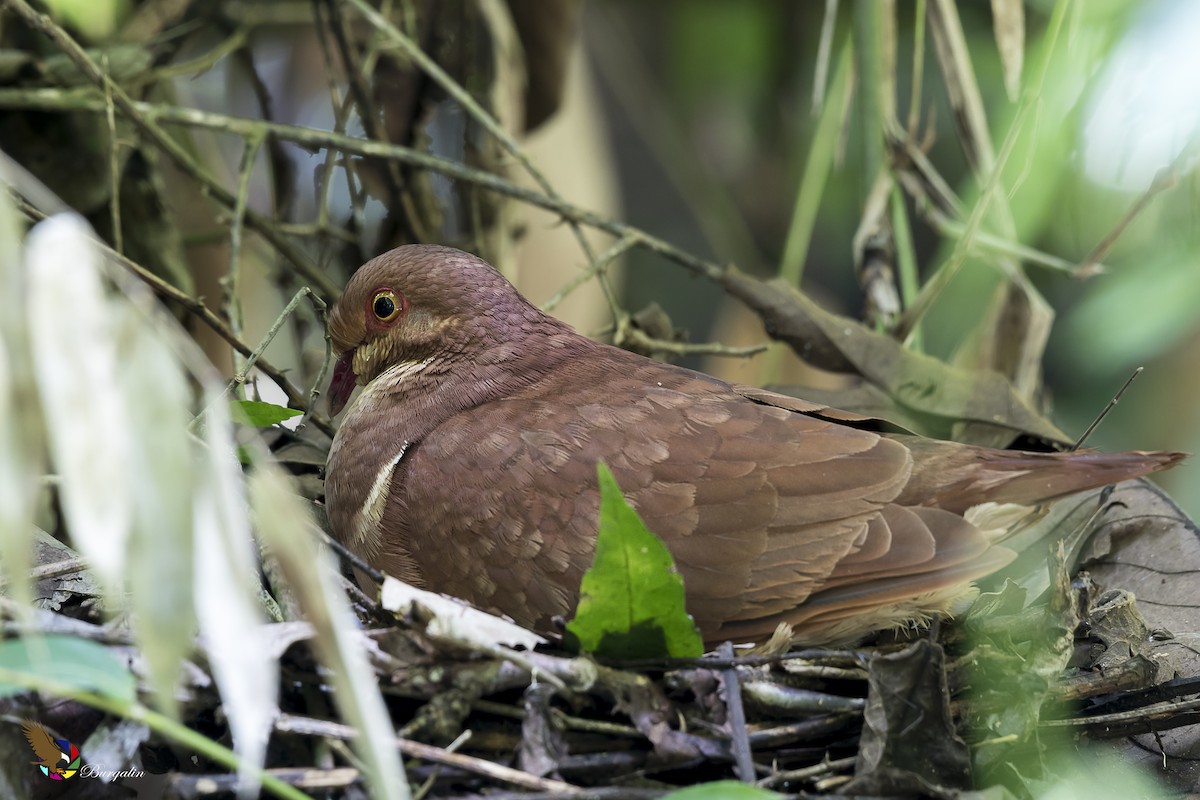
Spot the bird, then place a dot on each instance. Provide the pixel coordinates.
(49, 754)
(467, 465)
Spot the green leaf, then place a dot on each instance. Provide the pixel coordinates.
(260, 414)
(78, 663)
(96, 20)
(721, 790)
(631, 603)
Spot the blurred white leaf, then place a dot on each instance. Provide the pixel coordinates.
(21, 457)
(155, 396)
(289, 532)
(231, 623)
(454, 620)
(76, 368)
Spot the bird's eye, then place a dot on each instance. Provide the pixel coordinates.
(386, 305)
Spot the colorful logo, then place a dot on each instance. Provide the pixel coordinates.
(58, 759)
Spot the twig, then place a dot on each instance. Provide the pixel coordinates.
(942, 208)
(453, 747)
(1167, 178)
(290, 723)
(234, 42)
(229, 284)
(718, 662)
(809, 729)
(600, 264)
(983, 240)
(1157, 717)
(816, 770)
(352, 558)
(646, 342)
(322, 312)
(568, 721)
(205, 315)
(1111, 404)
(255, 356)
(309, 778)
(918, 68)
(114, 166)
(742, 754)
(73, 100)
(67, 566)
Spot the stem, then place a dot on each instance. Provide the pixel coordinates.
(159, 723)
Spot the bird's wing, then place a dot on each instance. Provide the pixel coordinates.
(761, 507)
(42, 743)
(956, 477)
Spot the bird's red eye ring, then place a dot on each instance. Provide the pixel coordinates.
(386, 305)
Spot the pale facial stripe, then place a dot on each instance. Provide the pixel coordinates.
(394, 374)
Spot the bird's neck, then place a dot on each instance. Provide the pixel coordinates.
(428, 391)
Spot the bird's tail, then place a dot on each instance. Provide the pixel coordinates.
(957, 478)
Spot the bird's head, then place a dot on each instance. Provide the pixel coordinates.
(414, 306)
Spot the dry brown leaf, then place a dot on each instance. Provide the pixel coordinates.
(1010, 339)
(1008, 19)
(1147, 545)
(909, 743)
(915, 384)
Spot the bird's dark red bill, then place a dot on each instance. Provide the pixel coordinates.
(343, 383)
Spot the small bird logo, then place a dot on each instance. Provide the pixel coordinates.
(58, 759)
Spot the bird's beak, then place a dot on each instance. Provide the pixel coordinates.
(343, 382)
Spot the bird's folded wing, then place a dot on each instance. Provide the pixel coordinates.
(761, 507)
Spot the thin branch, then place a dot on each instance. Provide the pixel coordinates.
(114, 166)
(255, 357)
(737, 718)
(815, 771)
(231, 301)
(74, 100)
(601, 264)
(642, 340)
(290, 723)
(205, 315)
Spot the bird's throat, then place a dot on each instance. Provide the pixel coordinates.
(342, 384)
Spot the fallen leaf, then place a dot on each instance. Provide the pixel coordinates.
(909, 739)
(450, 619)
(916, 383)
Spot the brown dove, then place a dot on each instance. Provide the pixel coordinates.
(467, 465)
